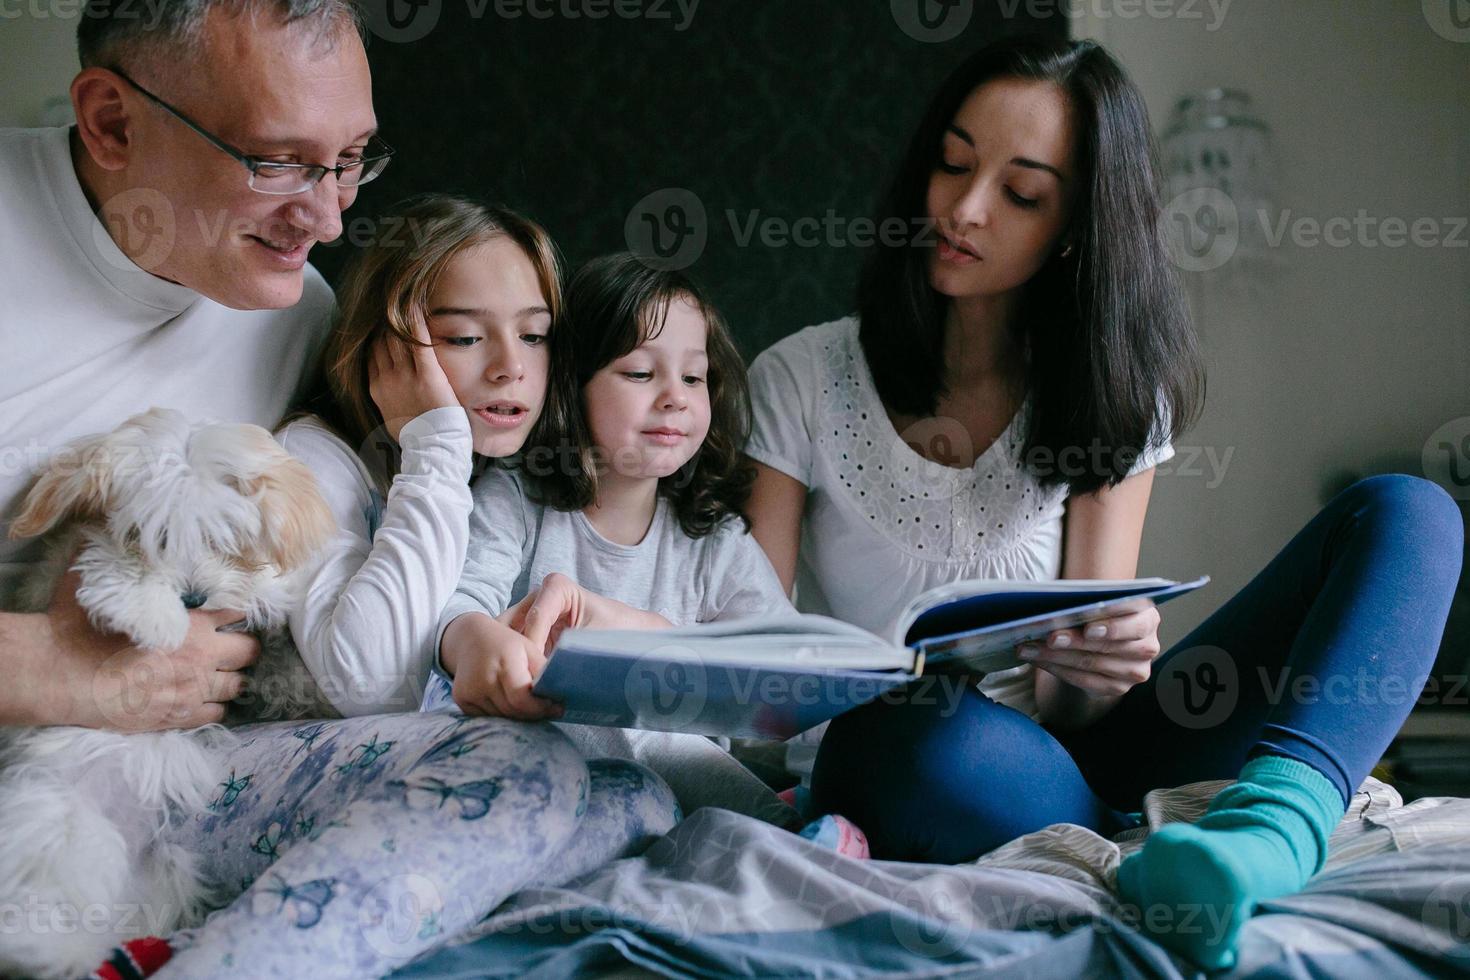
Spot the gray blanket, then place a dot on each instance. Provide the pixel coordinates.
(726, 895)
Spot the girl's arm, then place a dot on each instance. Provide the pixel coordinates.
(1082, 677)
(499, 534)
(492, 664)
(559, 603)
(367, 623)
(777, 502)
(493, 668)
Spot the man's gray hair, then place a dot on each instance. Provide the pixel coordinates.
(110, 28)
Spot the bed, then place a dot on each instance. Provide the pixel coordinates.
(726, 894)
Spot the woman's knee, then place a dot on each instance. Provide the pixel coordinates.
(937, 780)
(1415, 509)
(894, 741)
(923, 735)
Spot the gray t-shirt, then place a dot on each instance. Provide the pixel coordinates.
(515, 543)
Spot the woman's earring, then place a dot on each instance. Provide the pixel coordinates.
(1066, 251)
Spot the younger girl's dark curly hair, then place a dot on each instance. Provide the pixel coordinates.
(614, 304)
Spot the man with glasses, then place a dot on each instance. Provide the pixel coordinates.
(156, 254)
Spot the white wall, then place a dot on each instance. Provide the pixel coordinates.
(38, 56)
(1353, 356)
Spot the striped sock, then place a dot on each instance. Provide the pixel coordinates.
(134, 960)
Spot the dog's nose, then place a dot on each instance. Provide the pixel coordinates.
(193, 600)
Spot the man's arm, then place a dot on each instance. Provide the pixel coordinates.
(63, 672)
(26, 698)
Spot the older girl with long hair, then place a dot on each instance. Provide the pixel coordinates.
(357, 844)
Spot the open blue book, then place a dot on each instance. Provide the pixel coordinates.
(775, 677)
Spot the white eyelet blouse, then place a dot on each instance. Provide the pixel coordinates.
(883, 523)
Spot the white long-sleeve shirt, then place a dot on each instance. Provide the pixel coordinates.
(366, 624)
(89, 338)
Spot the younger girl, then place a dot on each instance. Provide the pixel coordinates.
(630, 515)
(627, 515)
(355, 845)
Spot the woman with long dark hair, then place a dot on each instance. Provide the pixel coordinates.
(1016, 369)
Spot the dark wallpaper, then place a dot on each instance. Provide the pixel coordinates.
(744, 110)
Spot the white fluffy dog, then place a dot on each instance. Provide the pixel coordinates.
(157, 517)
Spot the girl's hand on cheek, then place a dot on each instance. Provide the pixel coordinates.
(1107, 657)
(405, 381)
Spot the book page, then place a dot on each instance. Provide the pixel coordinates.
(794, 641)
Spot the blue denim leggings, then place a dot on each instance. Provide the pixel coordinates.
(1320, 658)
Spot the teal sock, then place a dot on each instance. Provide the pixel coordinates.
(1263, 836)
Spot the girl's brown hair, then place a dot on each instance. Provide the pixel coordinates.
(386, 287)
(614, 304)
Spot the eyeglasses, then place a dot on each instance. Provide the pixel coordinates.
(270, 177)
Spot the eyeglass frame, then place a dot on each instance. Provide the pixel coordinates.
(253, 163)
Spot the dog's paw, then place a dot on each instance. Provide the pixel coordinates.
(153, 618)
(166, 632)
(123, 595)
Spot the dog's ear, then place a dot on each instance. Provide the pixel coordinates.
(295, 519)
(74, 484)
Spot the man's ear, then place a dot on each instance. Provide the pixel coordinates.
(103, 120)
